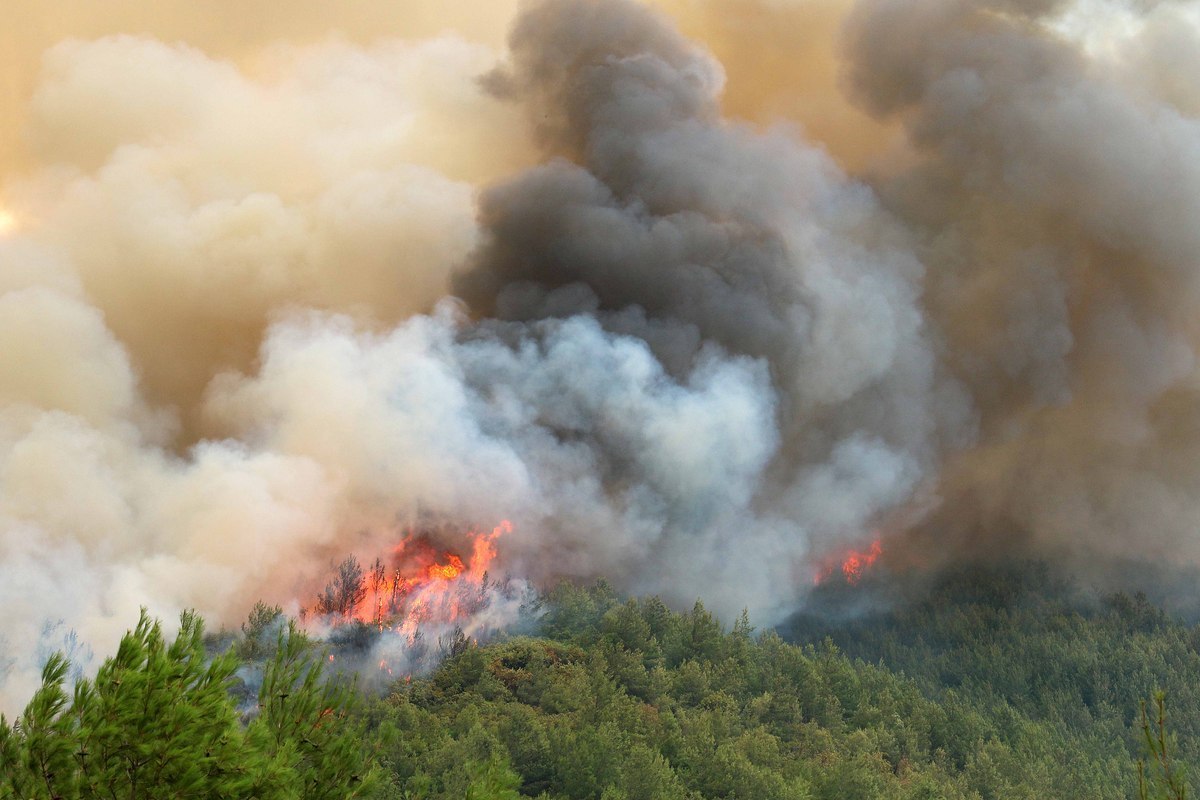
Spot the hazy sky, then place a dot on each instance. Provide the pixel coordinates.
(779, 54)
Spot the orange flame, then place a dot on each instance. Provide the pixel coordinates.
(857, 561)
(424, 585)
(852, 565)
(446, 571)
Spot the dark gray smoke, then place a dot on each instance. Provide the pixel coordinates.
(706, 242)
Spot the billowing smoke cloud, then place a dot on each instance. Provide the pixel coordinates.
(1054, 196)
(708, 242)
(183, 207)
(266, 306)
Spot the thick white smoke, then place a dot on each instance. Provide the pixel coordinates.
(689, 354)
(184, 207)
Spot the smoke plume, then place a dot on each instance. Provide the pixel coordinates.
(264, 303)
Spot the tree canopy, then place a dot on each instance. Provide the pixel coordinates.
(159, 721)
(991, 690)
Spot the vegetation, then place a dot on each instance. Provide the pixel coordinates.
(1015, 644)
(344, 592)
(1157, 773)
(628, 700)
(989, 686)
(159, 721)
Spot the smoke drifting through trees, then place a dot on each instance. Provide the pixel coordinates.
(342, 594)
(691, 354)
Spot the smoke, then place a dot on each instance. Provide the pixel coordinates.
(713, 246)
(183, 206)
(264, 303)
(1053, 196)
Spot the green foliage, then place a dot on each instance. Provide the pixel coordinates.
(1003, 693)
(1055, 674)
(491, 780)
(257, 641)
(158, 721)
(304, 723)
(1159, 776)
(983, 689)
(628, 701)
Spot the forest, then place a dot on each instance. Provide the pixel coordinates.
(991, 683)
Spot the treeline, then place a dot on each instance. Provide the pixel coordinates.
(1012, 693)
(1020, 642)
(160, 721)
(625, 699)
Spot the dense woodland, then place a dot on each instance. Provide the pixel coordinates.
(992, 684)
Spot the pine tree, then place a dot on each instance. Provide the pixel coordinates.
(305, 721)
(256, 632)
(1158, 775)
(158, 721)
(343, 594)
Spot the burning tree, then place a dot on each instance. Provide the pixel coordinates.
(852, 564)
(419, 590)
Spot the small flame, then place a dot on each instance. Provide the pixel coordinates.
(853, 564)
(8, 222)
(857, 561)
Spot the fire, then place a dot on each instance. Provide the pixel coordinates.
(421, 585)
(852, 565)
(858, 561)
(8, 222)
(447, 571)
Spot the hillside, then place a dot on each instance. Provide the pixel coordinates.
(1000, 687)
